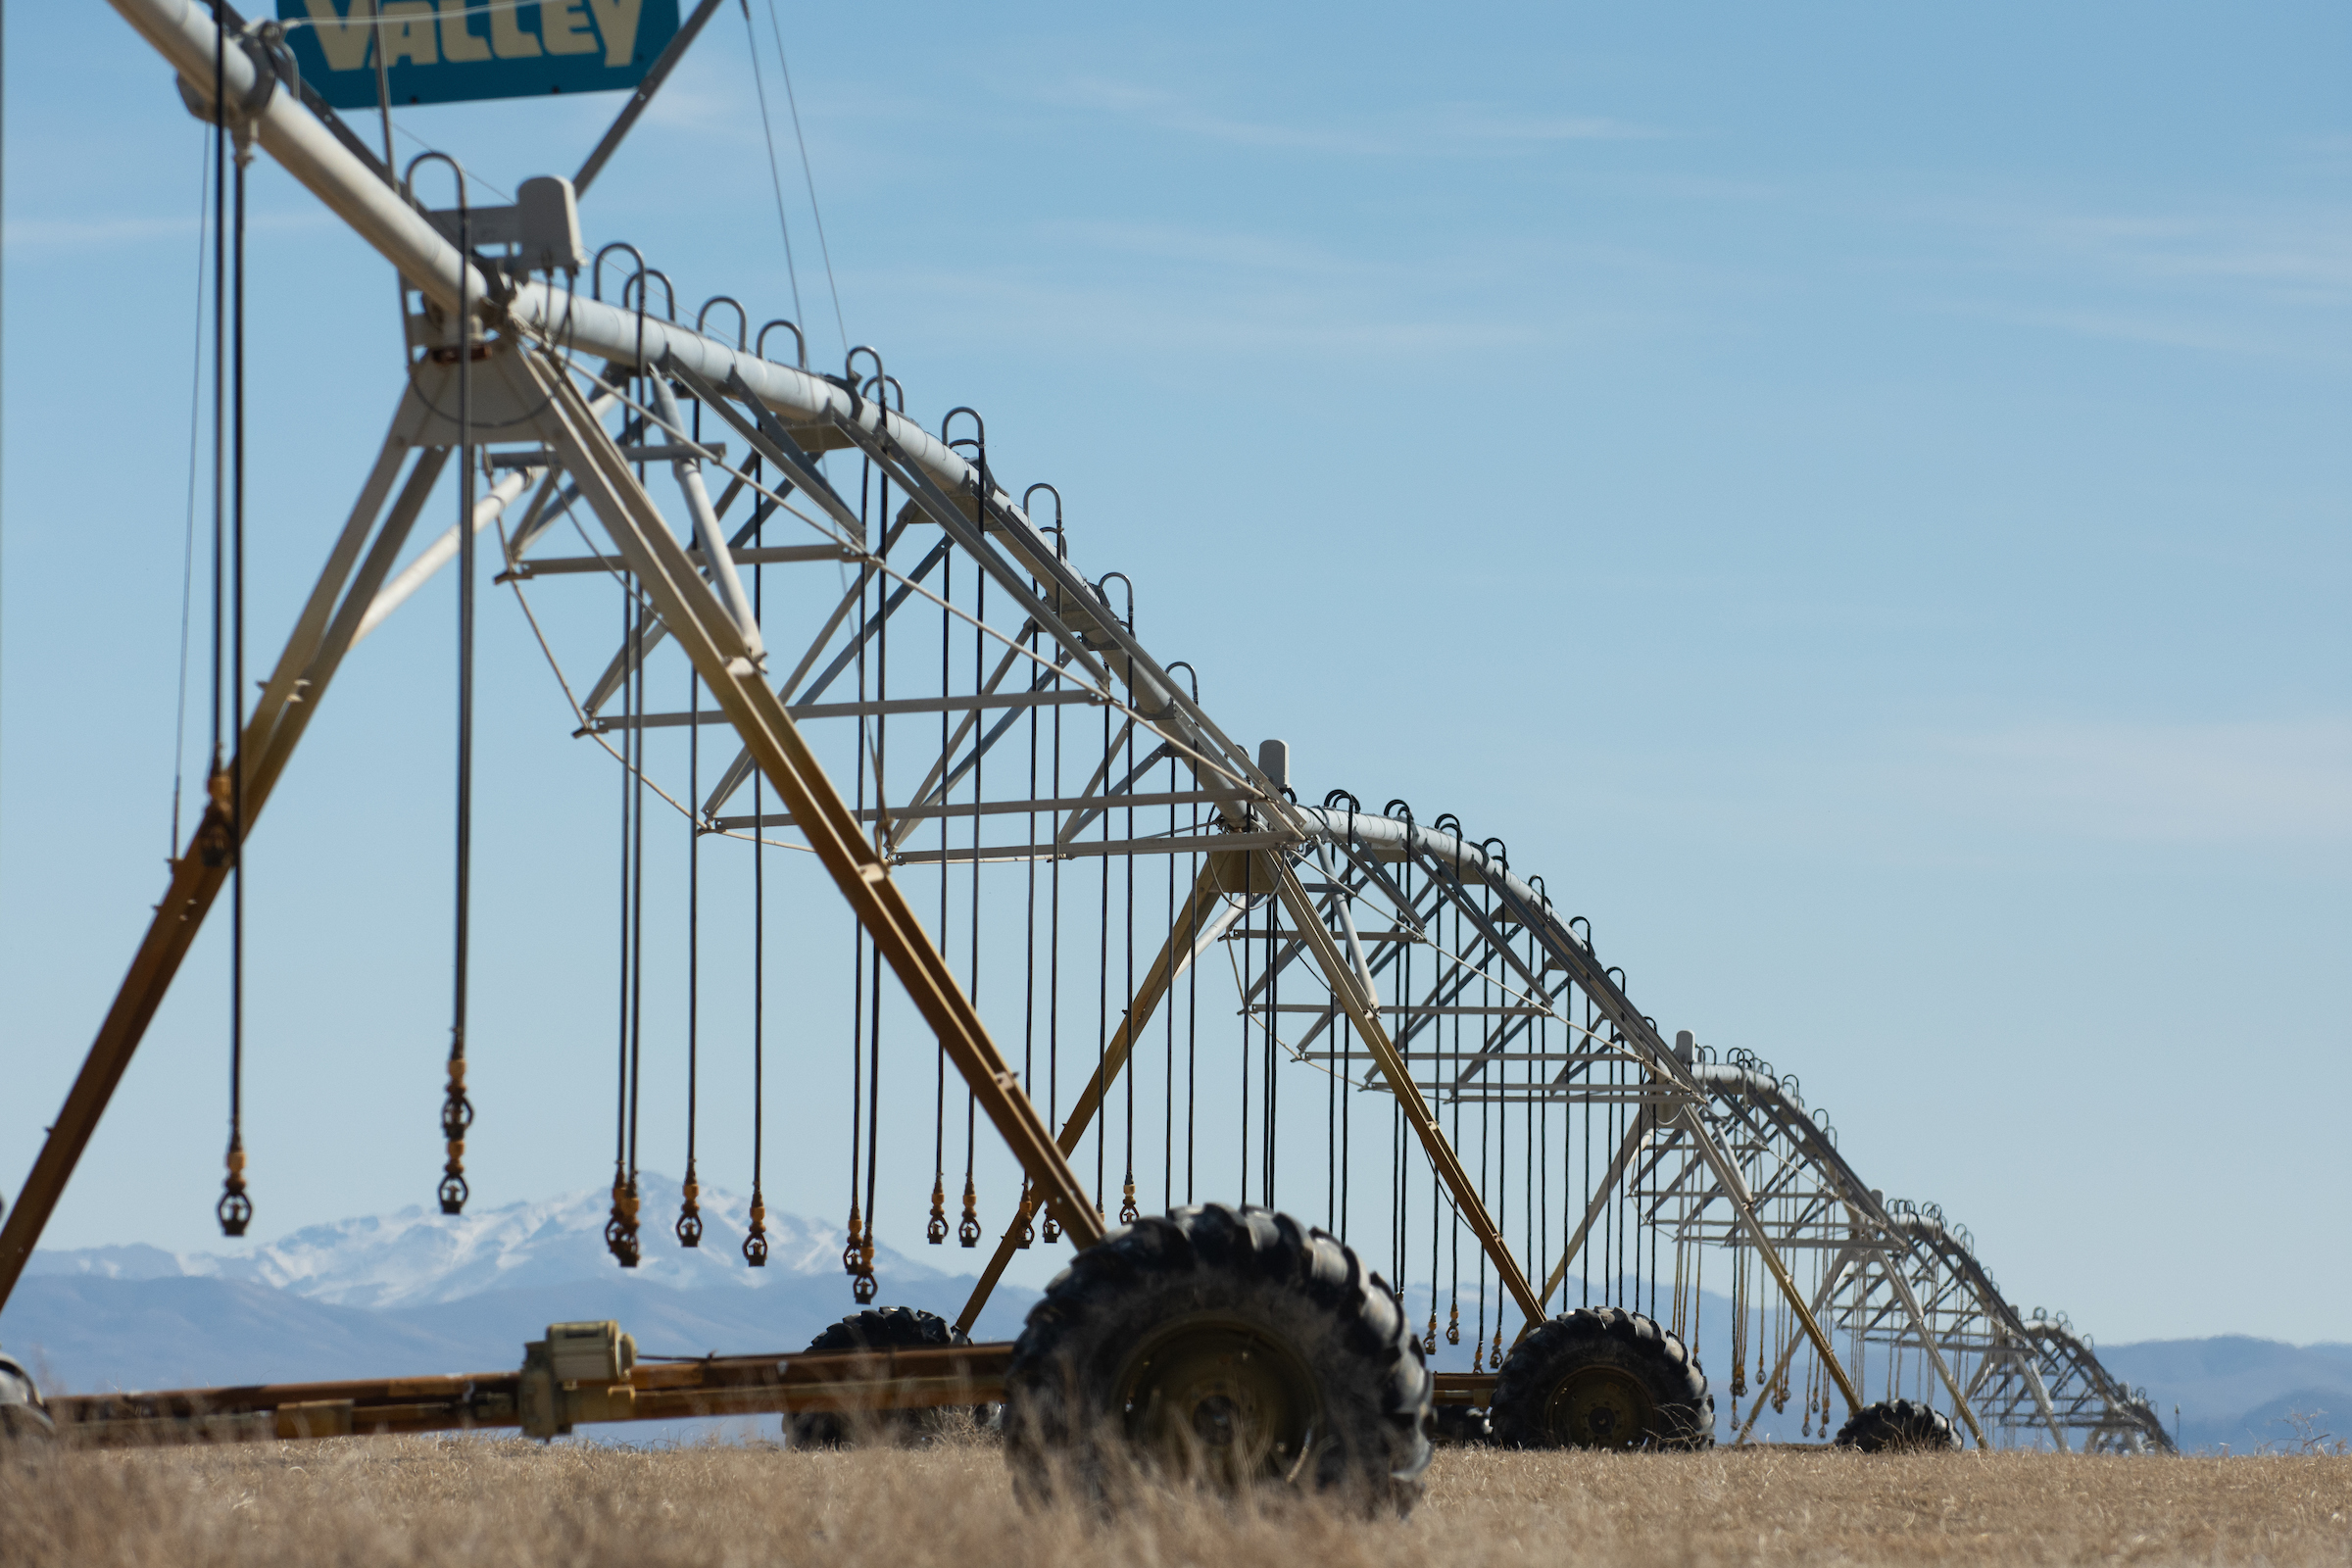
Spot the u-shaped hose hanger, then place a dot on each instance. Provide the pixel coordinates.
(596, 268)
(848, 375)
(1576, 921)
(1500, 850)
(880, 388)
(948, 418)
(743, 318)
(1061, 548)
(799, 339)
(407, 181)
(1399, 809)
(1102, 588)
(1616, 974)
(464, 204)
(1192, 677)
(670, 293)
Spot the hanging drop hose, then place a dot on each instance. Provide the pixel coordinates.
(849, 1249)
(1128, 1213)
(457, 1110)
(935, 1229)
(234, 1209)
(968, 1232)
(690, 1209)
(1028, 1207)
(755, 1241)
(1052, 1229)
(620, 1227)
(863, 1287)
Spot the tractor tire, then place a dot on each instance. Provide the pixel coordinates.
(24, 1418)
(882, 1328)
(1898, 1426)
(1602, 1378)
(1225, 1346)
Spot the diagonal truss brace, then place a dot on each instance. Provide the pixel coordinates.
(719, 652)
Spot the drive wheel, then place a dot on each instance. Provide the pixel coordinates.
(24, 1418)
(1898, 1426)
(1601, 1378)
(881, 1328)
(1226, 1346)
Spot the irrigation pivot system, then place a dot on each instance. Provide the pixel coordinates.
(1080, 913)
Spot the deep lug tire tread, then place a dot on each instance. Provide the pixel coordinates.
(1296, 1283)
(877, 1328)
(1898, 1426)
(1630, 1340)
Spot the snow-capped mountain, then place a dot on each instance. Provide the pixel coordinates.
(412, 1292)
(419, 1258)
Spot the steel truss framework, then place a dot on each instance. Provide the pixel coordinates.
(1708, 1155)
(991, 707)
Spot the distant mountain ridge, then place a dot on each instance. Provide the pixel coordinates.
(416, 1257)
(2238, 1393)
(413, 1292)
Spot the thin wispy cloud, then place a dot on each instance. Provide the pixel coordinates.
(2285, 256)
(2200, 333)
(2241, 783)
(1427, 130)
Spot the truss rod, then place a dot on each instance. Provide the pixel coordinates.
(607, 566)
(1040, 807)
(990, 853)
(607, 724)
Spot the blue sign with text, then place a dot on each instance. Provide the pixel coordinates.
(451, 51)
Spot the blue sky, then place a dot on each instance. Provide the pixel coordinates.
(1857, 498)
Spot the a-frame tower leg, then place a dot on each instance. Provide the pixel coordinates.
(355, 569)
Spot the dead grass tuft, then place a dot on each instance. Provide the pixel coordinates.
(369, 1502)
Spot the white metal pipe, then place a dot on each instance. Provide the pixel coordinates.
(433, 557)
(1389, 838)
(183, 31)
(718, 560)
(185, 35)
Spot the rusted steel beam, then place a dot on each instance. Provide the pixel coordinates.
(716, 1386)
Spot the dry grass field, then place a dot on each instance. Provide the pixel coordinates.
(513, 1503)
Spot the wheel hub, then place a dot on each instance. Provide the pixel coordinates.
(1219, 1399)
(1599, 1408)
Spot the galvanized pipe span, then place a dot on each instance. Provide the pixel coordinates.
(184, 34)
(1389, 838)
